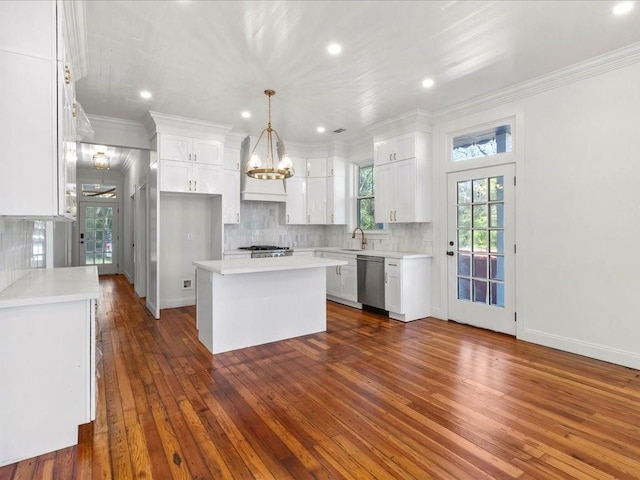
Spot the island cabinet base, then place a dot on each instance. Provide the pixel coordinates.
(243, 310)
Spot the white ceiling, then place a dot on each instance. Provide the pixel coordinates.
(211, 60)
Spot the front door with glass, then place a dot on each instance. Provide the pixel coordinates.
(481, 263)
(98, 236)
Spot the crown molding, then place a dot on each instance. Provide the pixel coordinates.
(414, 120)
(156, 122)
(599, 65)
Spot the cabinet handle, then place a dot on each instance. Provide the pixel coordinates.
(189, 185)
(394, 157)
(391, 215)
(395, 215)
(195, 157)
(332, 218)
(67, 74)
(237, 165)
(195, 185)
(393, 264)
(287, 218)
(385, 277)
(336, 270)
(308, 218)
(74, 110)
(238, 217)
(390, 156)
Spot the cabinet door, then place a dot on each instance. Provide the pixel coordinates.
(334, 284)
(175, 148)
(404, 191)
(231, 159)
(174, 176)
(383, 152)
(207, 151)
(317, 200)
(336, 201)
(405, 147)
(206, 178)
(384, 193)
(299, 166)
(317, 167)
(28, 28)
(349, 282)
(231, 197)
(393, 286)
(296, 205)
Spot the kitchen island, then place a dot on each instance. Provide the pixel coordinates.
(247, 302)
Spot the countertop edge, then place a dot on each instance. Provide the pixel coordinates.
(260, 265)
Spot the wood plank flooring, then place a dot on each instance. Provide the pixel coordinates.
(370, 398)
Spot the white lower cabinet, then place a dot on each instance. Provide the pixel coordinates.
(342, 281)
(407, 290)
(190, 177)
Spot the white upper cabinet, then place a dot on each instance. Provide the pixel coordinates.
(317, 200)
(317, 167)
(231, 196)
(231, 159)
(186, 149)
(336, 191)
(402, 179)
(190, 165)
(37, 125)
(402, 147)
(296, 203)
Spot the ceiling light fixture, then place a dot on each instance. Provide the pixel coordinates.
(334, 49)
(428, 83)
(321, 129)
(145, 94)
(101, 161)
(271, 171)
(246, 115)
(622, 8)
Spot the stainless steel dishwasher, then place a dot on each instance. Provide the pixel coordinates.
(371, 281)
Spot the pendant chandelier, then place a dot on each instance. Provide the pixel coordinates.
(272, 169)
(101, 161)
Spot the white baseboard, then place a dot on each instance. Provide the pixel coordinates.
(129, 277)
(342, 301)
(177, 302)
(591, 350)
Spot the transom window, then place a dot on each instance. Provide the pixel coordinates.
(483, 143)
(97, 190)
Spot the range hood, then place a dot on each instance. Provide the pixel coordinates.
(259, 190)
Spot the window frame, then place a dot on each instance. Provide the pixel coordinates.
(382, 230)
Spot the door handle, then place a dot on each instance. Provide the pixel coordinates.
(450, 253)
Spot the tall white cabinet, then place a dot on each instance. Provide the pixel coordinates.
(231, 186)
(402, 170)
(37, 125)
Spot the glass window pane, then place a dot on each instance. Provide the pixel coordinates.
(496, 241)
(496, 294)
(490, 141)
(99, 235)
(480, 291)
(464, 289)
(99, 223)
(496, 215)
(480, 216)
(464, 217)
(365, 181)
(90, 212)
(108, 258)
(464, 192)
(480, 266)
(496, 268)
(480, 190)
(89, 259)
(464, 264)
(98, 191)
(479, 241)
(496, 189)
(464, 240)
(366, 214)
(89, 223)
(99, 246)
(89, 247)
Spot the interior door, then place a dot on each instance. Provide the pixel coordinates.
(481, 244)
(99, 236)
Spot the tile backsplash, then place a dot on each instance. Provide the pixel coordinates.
(17, 253)
(262, 223)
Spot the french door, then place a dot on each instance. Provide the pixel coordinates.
(480, 248)
(98, 225)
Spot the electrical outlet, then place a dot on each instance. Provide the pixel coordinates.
(186, 284)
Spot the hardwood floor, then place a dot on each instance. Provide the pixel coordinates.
(371, 398)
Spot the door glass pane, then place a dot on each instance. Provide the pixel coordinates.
(480, 266)
(496, 189)
(480, 291)
(464, 192)
(480, 216)
(464, 240)
(496, 241)
(464, 264)
(496, 294)
(464, 216)
(496, 268)
(464, 289)
(496, 215)
(480, 190)
(479, 240)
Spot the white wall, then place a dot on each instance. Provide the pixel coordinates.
(16, 246)
(578, 219)
(137, 170)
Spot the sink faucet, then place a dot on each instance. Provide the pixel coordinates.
(364, 240)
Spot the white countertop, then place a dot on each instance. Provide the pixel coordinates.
(52, 285)
(255, 265)
(374, 253)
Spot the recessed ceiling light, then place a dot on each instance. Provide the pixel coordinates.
(334, 49)
(321, 129)
(145, 94)
(246, 114)
(622, 8)
(427, 83)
